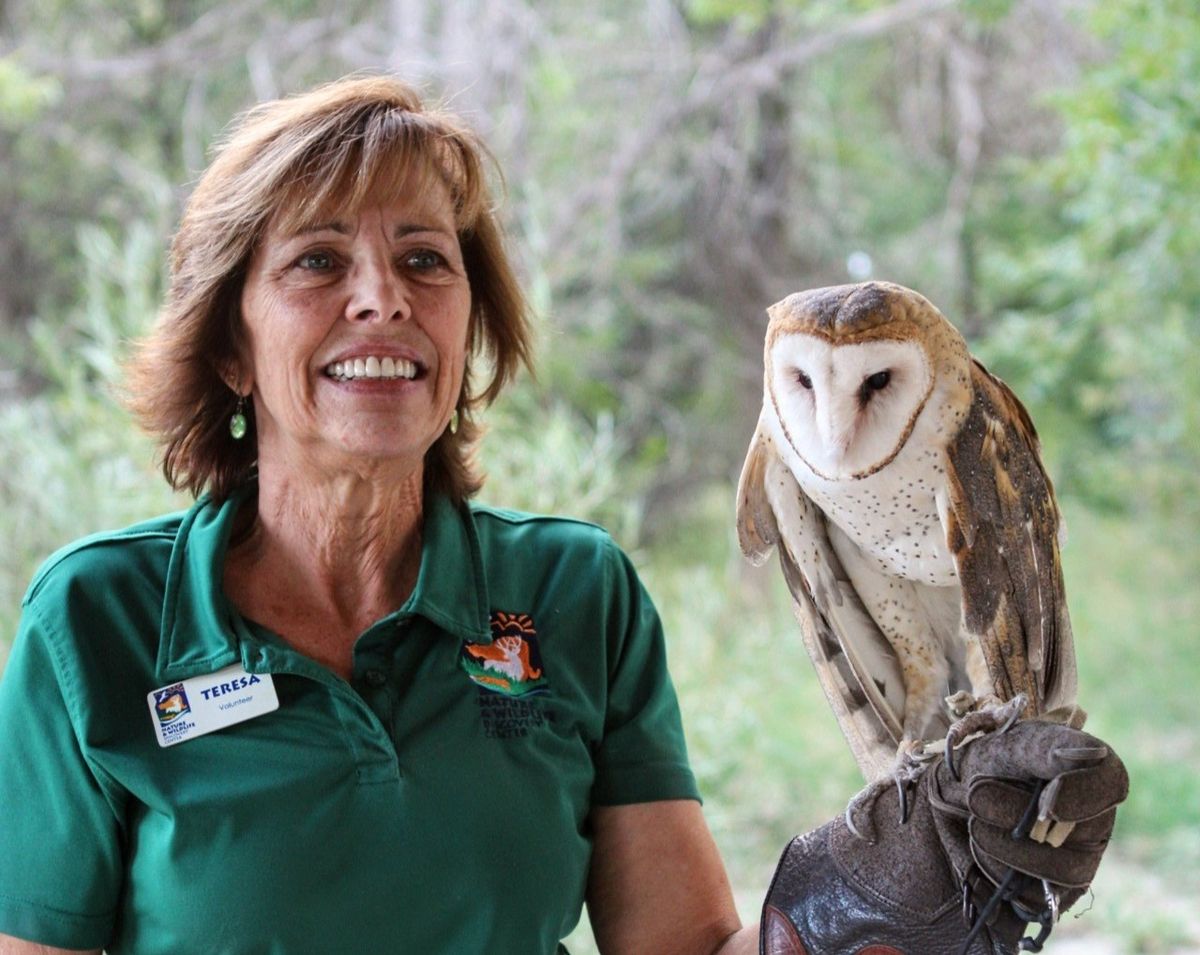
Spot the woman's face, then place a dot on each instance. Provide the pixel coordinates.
(356, 336)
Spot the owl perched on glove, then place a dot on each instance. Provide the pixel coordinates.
(917, 529)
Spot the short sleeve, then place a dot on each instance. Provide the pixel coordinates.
(60, 867)
(642, 756)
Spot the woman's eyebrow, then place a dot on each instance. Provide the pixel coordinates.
(402, 230)
(339, 227)
(410, 227)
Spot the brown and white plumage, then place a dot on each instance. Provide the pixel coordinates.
(916, 526)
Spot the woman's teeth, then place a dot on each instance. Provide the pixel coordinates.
(372, 367)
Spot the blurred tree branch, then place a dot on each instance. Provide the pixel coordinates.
(674, 166)
(219, 33)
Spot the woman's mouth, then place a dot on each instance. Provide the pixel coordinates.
(371, 366)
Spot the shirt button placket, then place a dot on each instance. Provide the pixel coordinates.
(375, 678)
(375, 690)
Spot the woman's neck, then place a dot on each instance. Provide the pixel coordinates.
(331, 555)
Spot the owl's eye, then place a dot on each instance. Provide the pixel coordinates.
(877, 381)
(803, 379)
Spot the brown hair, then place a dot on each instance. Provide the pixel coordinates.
(294, 160)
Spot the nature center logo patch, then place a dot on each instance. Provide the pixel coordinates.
(170, 703)
(511, 664)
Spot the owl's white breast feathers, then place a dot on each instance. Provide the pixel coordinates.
(892, 515)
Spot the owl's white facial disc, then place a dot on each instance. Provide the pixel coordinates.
(847, 409)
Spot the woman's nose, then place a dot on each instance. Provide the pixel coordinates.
(377, 294)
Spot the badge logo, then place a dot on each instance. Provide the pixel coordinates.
(511, 664)
(170, 703)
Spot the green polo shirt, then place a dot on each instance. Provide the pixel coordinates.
(437, 802)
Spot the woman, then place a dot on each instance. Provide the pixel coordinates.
(334, 707)
(474, 722)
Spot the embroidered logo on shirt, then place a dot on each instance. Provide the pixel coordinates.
(511, 664)
(170, 703)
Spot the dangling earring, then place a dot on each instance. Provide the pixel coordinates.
(237, 423)
(454, 421)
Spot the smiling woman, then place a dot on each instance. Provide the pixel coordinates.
(290, 177)
(325, 308)
(452, 723)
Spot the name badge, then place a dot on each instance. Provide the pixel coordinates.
(211, 702)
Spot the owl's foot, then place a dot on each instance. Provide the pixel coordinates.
(960, 704)
(989, 718)
(911, 760)
(963, 702)
(914, 755)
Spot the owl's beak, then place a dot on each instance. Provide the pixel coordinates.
(836, 429)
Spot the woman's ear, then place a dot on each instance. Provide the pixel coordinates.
(235, 377)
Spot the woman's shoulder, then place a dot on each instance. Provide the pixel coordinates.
(502, 525)
(532, 544)
(512, 516)
(98, 560)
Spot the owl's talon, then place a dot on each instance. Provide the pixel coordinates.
(850, 807)
(911, 762)
(1018, 707)
(854, 830)
(949, 760)
(902, 789)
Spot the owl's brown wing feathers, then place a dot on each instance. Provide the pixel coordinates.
(1003, 528)
(856, 666)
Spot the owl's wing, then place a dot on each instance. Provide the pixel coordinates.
(857, 667)
(1003, 525)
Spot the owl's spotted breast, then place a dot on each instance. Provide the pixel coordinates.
(893, 518)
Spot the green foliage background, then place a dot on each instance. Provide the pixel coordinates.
(673, 168)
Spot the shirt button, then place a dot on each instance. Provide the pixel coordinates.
(375, 677)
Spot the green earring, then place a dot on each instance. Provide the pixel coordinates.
(237, 423)
(454, 421)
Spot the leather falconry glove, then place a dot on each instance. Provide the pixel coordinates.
(1006, 829)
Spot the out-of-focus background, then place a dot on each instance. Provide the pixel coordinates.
(673, 167)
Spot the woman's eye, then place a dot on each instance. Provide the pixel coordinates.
(316, 261)
(424, 260)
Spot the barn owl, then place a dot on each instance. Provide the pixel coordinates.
(916, 527)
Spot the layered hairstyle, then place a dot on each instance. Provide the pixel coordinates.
(295, 162)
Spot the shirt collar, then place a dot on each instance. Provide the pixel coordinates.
(198, 633)
(451, 588)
